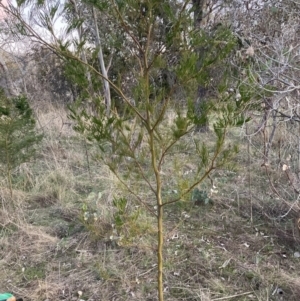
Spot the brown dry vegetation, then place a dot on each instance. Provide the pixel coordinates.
(240, 248)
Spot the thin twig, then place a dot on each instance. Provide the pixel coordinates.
(88, 160)
(232, 296)
(291, 207)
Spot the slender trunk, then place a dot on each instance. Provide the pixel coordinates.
(160, 235)
(298, 148)
(156, 168)
(160, 245)
(270, 140)
(102, 66)
(198, 8)
(249, 172)
(10, 88)
(23, 71)
(9, 182)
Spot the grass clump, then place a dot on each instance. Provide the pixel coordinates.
(211, 251)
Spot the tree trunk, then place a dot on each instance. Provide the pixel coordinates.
(9, 88)
(102, 66)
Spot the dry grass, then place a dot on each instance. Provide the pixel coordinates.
(50, 252)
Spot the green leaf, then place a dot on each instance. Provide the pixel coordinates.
(54, 9)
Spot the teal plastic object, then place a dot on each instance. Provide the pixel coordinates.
(5, 296)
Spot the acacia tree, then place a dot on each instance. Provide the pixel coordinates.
(137, 144)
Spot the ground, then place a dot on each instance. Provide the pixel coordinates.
(60, 239)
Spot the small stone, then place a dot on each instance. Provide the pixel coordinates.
(297, 254)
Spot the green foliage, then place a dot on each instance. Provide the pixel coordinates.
(18, 136)
(35, 272)
(128, 222)
(198, 119)
(77, 73)
(89, 208)
(182, 124)
(200, 197)
(98, 225)
(159, 62)
(122, 215)
(120, 205)
(96, 127)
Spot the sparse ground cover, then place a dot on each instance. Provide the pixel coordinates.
(63, 242)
